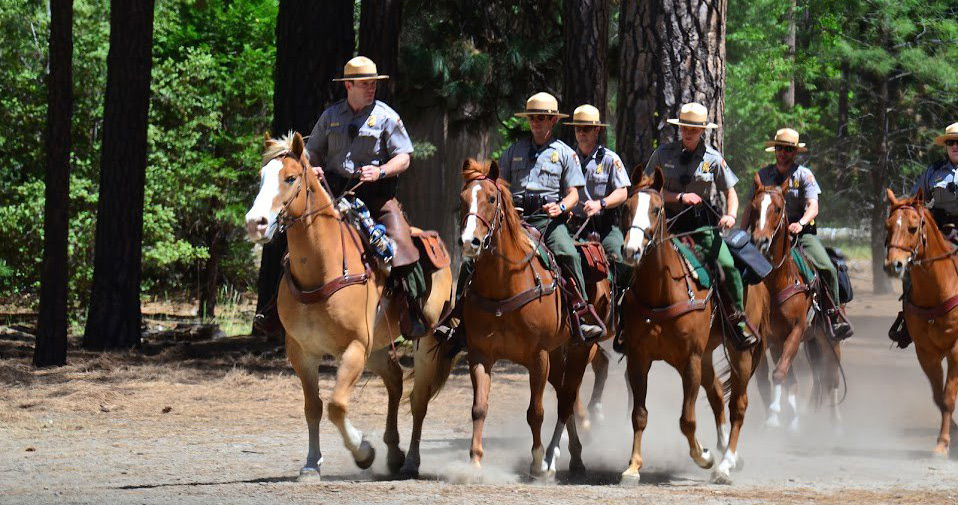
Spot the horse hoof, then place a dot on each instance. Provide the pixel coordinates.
(721, 477)
(793, 427)
(939, 454)
(395, 460)
(585, 426)
(364, 462)
(705, 461)
(629, 479)
(309, 474)
(576, 467)
(773, 422)
(410, 468)
(739, 464)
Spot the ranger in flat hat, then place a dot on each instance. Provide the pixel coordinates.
(801, 209)
(695, 174)
(939, 189)
(361, 139)
(606, 187)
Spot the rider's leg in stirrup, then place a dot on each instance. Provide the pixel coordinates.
(819, 257)
(714, 249)
(618, 271)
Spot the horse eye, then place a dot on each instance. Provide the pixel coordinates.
(656, 211)
(291, 179)
(912, 229)
(492, 199)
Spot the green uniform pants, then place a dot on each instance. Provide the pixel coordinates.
(412, 277)
(709, 244)
(819, 257)
(612, 241)
(557, 238)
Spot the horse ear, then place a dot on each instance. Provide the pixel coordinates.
(784, 185)
(493, 170)
(297, 146)
(891, 196)
(758, 182)
(920, 196)
(658, 179)
(267, 139)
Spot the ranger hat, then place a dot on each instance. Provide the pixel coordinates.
(950, 133)
(541, 103)
(785, 137)
(585, 115)
(360, 68)
(694, 115)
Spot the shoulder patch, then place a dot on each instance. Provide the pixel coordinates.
(617, 163)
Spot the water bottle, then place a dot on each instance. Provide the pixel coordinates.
(375, 233)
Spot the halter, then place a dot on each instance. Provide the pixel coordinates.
(922, 239)
(497, 220)
(632, 226)
(780, 225)
(283, 217)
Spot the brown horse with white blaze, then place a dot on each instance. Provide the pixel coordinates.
(915, 245)
(513, 310)
(347, 315)
(668, 316)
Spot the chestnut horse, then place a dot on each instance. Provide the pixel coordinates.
(514, 310)
(915, 245)
(668, 316)
(791, 302)
(351, 321)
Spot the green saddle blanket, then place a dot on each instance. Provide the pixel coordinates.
(808, 274)
(699, 272)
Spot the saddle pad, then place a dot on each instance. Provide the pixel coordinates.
(432, 247)
(804, 267)
(595, 266)
(699, 272)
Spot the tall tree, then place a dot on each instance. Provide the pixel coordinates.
(672, 53)
(114, 317)
(585, 27)
(380, 23)
(312, 45)
(51, 344)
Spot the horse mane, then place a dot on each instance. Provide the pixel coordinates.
(473, 170)
(279, 147)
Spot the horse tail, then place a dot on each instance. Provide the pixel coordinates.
(434, 360)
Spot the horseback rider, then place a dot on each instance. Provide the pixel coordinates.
(361, 140)
(939, 189)
(695, 174)
(606, 186)
(801, 209)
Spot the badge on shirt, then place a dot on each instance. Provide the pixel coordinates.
(555, 156)
(795, 183)
(372, 120)
(598, 168)
(706, 166)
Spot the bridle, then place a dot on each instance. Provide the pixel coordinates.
(781, 222)
(652, 242)
(920, 243)
(491, 229)
(283, 218)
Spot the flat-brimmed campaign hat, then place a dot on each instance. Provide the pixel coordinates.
(541, 103)
(785, 137)
(694, 115)
(585, 115)
(950, 133)
(360, 68)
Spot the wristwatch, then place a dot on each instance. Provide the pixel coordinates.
(603, 203)
(382, 173)
(562, 207)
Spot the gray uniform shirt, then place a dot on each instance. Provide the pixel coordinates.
(704, 173)
(603, 174)
(934, 185)
(802, 186)
(377, 128)
(548, 171)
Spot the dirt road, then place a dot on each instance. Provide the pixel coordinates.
(183, 427)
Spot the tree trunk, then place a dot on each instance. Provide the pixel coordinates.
(114, 317)
(672, 53)
(881, 284)
(842, 134)
(585, 24)
(51, 343)
(380, 23)
(788, 94)
(211, 272)
(312, 45)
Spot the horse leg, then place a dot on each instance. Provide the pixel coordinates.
(600, 367)
(948, 403)
(350, 369)
(691, 382)
(308, 372)
(716, 398)
(577, 359)
(425, 371)
(930, 362)
(637, 373)
(382, 364)
(833, 379)
(780, 376)
(480, 370)
(743, 367)
(764, 386)
(538, 374)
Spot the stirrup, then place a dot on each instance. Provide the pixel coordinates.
(898, 333)
(742, 336)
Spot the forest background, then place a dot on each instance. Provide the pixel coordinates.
(869, 84)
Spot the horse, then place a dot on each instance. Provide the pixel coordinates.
(668, 316)
(513, 310)
(345, 313)
(914, 244)
(792, 300)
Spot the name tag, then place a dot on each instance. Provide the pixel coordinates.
(333, 125)
(518, 158)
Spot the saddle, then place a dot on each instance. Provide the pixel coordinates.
(432, 248)
(595, 266)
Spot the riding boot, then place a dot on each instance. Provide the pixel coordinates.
(898, 333)
(267, 322)
(409, 286)
(743, 336)
(586, 323)
(841, 328)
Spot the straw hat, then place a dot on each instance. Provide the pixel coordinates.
(950, 133)
(585, 115)
(694, 115)
(785, 137)
(541, 103)
(360, 68)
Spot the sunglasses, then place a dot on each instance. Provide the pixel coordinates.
(539, 117)
(951, 142)
(586, 128)
(787, 149)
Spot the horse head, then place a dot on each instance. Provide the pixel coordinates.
(905, 238)
(767, 217)
(284, 174)
(644, 217)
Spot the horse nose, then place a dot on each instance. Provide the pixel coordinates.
(763, 244)
(476, 242)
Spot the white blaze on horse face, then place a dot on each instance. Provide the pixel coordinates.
(899, 220)
(263, 205)
(766, 201)
(469, 232)
(640, 223)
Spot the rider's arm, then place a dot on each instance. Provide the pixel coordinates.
(747, 213)
(571, 198)
(616, 197)
(731, 202)
(397, 165)
(811, 211)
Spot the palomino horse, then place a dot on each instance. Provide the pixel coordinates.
(792, 300)
(915, 245)
(348, 317)
(668, 316)
(513, 310)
